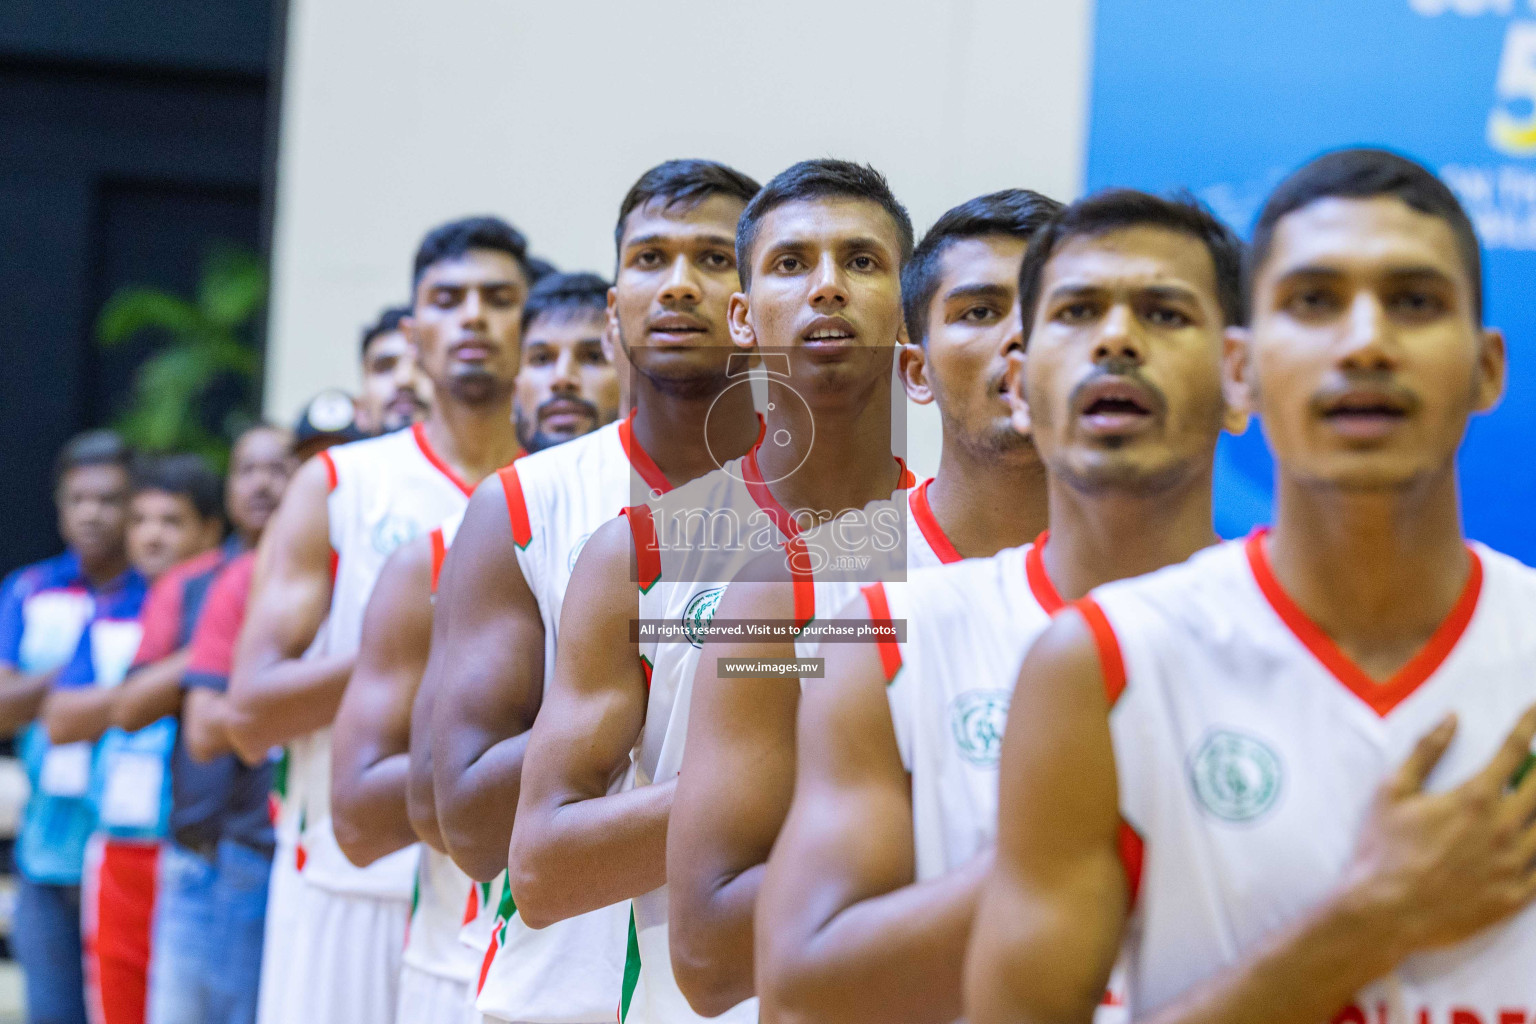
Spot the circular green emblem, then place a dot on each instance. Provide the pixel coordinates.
(393, 531)
(977, 719)
(700, 613)
(1236, 777)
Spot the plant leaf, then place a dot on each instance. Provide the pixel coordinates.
(233, 287)
(131, 310)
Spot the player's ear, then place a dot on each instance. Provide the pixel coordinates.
(1013, 393)
(611, 314)
(1492, 369)
(1237, 379)
(912, 364)
(743, 334)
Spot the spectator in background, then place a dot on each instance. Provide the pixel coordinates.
(566, 386)
(395, 391)
(223, 975)
(212, 889)
(44, 609)
(328, 418)
(175, 513)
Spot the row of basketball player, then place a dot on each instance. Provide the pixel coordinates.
(1275, 778)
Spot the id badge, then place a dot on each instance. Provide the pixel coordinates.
(131, 796)
(66, 771)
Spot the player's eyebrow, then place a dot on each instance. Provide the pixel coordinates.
(658, 238)
(978, 291)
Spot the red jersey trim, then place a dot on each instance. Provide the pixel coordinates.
(1380, 697)
(1111, 663)
(804, 581)
(419, 432)
(642, 527)
(922, 514)
(880, 614)
(1133, 853)
(517, 506)
(439, 552)
(1039, 580)
(752, 476)
(330, 470)
(641, 459)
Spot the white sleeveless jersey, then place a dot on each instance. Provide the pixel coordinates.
(923, 542)
(689, 546)
(1248, 748)
(571, 971)
(384, 491)
(949, 685)
(443, 900)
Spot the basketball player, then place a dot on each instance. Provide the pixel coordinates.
(567, 386)
(562, 324)
(889, 834)
(1310, 730)
(335, 953)
(395, 392)
(821, 249)
(959, 294)
(501, 592)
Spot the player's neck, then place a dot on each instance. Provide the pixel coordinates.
(985, 502)
(1377, 570)
(672, 429)
(832, 458)
(1116, 534)
(474, 440)
(101, 571)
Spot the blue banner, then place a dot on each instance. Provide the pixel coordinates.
(1227, 98)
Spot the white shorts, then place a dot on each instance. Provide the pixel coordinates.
(344, 960)
(283, 898)
(427, 998)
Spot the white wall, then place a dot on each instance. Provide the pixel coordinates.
(399, 114)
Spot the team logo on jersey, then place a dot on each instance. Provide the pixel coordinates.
(1236, 777)
(699, 614)
(393, 531)
(977, 719)
(570, 563)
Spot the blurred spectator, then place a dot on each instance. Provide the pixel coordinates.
(44, 609)
(328, 418)
(175, 513)
(395, 391)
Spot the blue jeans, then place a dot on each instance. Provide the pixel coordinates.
(209, 920)
(47, 945)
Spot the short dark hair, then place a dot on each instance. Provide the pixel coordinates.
(92, 448)
(1118, 208)
(1365, 174)
(185, 475)
(819, 179)
(682, 183)
(538, 269)
(452, 240)
(387, 323)
(1014, 213)
(566, 293)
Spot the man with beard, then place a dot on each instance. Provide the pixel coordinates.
(567, 386)
(396, 393)
(821, 249)
(1320, 735)
(504, 580)
(336, 954)
(570, 385)
(960, 302)
(874, 880)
